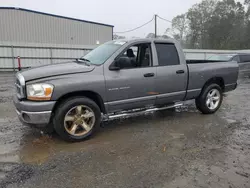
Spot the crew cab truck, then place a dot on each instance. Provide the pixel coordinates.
(117, 79)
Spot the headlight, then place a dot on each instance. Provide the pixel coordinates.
(39, 92)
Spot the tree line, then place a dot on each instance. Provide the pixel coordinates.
(214, 24)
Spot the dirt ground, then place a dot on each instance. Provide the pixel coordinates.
(161, 150)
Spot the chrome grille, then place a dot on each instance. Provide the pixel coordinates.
(20, 85)
(18, 88)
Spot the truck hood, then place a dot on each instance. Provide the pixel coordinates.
(56, 70)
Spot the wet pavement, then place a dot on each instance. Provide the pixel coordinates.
(164, 149)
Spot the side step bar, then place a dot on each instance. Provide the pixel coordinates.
(139, 112)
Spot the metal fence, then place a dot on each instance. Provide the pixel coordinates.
(207, 54)
(32, 56)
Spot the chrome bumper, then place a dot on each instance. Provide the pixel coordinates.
(41, 118)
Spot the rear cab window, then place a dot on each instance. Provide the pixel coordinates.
(245, 58)
(167, 54)
(236, 58)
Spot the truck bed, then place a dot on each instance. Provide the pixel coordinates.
(202, 61)
(200, 71)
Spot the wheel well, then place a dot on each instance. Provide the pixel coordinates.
(216, 80)
(89, 94)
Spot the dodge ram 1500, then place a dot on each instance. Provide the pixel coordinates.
(117, 79)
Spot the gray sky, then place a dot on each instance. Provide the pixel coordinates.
(124, 15)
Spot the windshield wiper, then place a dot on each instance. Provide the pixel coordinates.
(86, 61)
(82, 58)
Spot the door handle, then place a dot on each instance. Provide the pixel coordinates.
(180, 72)
(149, 75)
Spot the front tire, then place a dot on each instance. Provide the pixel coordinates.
(210, 99)
(77, 119)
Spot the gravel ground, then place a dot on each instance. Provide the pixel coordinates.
(164, 149)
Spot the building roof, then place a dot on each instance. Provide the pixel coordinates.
(47, 14)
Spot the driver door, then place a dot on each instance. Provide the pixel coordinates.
(133, 85)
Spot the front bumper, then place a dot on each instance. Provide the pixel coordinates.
(34, 113)
(35, 118)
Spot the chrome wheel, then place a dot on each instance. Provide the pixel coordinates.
(79, 120)
(213, 99)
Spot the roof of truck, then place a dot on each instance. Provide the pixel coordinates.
(148, 40)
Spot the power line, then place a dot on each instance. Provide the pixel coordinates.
(164, 19)
(136, 27)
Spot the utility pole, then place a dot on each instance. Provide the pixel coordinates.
(155, 25)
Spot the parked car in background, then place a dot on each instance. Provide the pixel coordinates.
(117, 79)
(224, 57)
(239, 58)
(243, 59)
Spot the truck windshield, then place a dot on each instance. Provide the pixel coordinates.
(100, 54)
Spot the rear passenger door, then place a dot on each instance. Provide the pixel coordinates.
(172, 75)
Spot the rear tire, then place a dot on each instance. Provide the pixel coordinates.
(210, 99)
(77, 119)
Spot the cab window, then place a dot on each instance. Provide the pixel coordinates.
(167, 54)
(136, 56)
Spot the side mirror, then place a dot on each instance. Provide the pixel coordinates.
(115, 66)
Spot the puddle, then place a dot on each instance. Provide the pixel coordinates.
(36, 150)
(206, 147)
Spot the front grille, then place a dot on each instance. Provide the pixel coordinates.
(18, 82)
(19, 85)
(18, 88)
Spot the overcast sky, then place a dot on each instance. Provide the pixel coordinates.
(124, 15)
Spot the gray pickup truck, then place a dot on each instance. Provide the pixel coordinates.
(117, 79)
